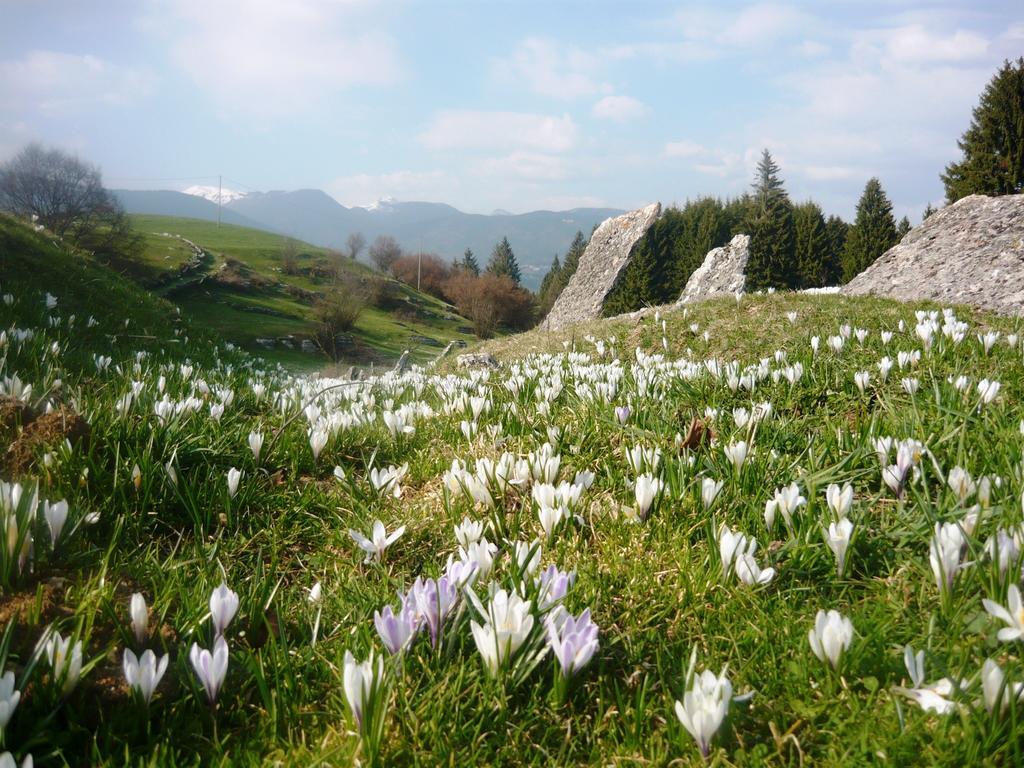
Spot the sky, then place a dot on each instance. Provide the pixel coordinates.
(516, 105)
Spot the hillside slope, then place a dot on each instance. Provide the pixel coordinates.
(110, 313)
(240, 288)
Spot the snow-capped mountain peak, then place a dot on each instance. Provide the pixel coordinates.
(210, 193)
(384, 204)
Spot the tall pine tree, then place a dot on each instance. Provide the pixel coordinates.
(811, 247)
(469, 263)
(902, 228)
(873, 231)
(993, 145)
(572, 258)
(836, 231)
(503, 262)
(550, 287)
(772, 240)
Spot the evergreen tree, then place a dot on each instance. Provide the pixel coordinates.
(836, 231)
(503, 262)
(469, 263)
(902, 228)
(550, 287)
(811, 246)
(928, 211)
(993, 145)
(873, 231)
(572, 258)
(772, 241)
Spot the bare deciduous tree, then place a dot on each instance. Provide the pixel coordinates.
(336, 313)
(63, 192)
(290, 256)
(384, 252)
(355, 244)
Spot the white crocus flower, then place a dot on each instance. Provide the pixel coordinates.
(56, 515)
(861, 379)
(9, 698)
(234, 475)
(506, 627)
(139, 616)
(960, 482)
(317, 441)
(988, 390)
(551, 517)
(468, 532)
(736, 453)
(996, 692)
(378, 542)
(143, 673)
(709, 490)
(730, 545)
(704, 706)
(210, 668)
(65, 659)
(646, 489)
(482, 554)
(315, 593)
(787, 501)
(747, 569)
(831, 635)
(944, 553)
(839, 499)
(256, 444)
(223, 607)
(838, 536)
(361, 681)
(1013, 615)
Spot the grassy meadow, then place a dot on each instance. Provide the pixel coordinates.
(242, 293)
(621, 469)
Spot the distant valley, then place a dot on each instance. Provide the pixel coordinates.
(315, 217)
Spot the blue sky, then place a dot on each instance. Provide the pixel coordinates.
(513, 105)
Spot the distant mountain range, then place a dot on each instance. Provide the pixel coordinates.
(316, 217)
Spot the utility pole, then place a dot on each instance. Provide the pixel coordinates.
(220, 195)
(419, 263)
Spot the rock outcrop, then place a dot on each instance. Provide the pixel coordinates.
(477, 360)
(606, 256)
(723, 271)
(970, 252)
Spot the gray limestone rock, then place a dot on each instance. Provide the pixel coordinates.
(970, 252)
(722, 272)
(606, 256)
(477, 360)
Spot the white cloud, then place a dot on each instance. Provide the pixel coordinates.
(914, 44)
(811, 49)
(469, 129)
(272, 58)
(684, 148)
(530, 166)
(364, 189)
(619, 108)
(551, 69)
(763, 24)
(56, 82)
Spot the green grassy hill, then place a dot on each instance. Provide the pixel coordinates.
(111, 313)
(240, 290)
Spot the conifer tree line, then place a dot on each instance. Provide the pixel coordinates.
(792, 246)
